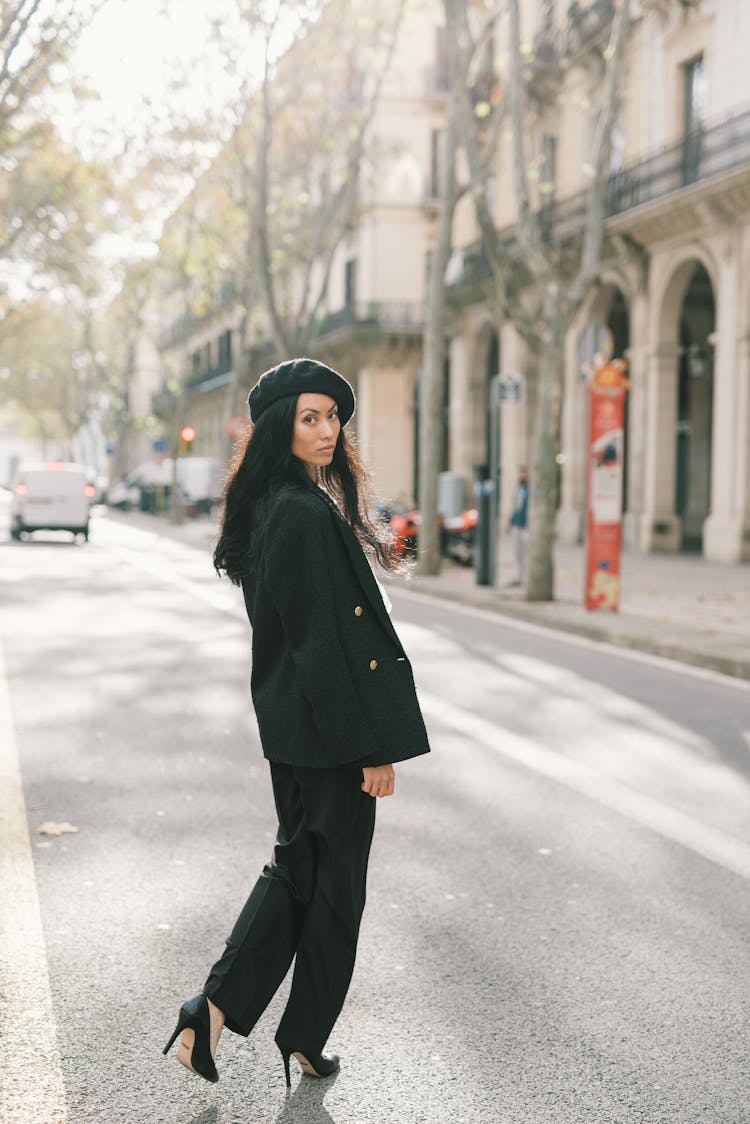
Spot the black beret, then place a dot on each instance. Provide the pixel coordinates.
(301, 376)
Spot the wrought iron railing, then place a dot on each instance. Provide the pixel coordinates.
(387, 315)
(703, 154)
(208, 374)
(184, 325)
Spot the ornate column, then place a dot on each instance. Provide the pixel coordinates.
(637, 357)
(660, 526)
(727, 529)
(723, 529)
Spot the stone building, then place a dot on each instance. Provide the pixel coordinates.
(370, 323)
(673, 287)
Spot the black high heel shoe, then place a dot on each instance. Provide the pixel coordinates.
(194, 1015)
(314, 1065)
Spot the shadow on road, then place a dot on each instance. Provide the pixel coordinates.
(208, 1116)
(305, 1105)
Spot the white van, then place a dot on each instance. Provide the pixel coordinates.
(56, 496)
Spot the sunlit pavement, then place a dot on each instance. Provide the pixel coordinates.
(677, 606)
(557, 918)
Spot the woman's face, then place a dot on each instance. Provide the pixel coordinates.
(316, 431)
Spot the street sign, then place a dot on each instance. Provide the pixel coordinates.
(159, 445)
(510, 387)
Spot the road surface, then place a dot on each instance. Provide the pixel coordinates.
(558, 911)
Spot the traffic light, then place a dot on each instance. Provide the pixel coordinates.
(187, 436)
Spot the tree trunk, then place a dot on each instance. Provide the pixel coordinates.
(432, 387)
(545, 445)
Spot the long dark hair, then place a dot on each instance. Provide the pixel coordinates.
(262, 465)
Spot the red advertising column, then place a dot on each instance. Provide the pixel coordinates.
(607, 392)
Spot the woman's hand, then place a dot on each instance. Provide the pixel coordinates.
(379, 781)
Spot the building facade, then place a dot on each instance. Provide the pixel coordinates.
(672, 289)
(369, 325)
(673, 284)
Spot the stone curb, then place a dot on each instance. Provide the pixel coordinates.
(683, 645)
(685, 648)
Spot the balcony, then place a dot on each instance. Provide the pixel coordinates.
(365, 321)
(375, 317)
(182, 327)
(701, 157)
(211, 377)
(588, 22)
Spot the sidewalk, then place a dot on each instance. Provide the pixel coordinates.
(677, 606)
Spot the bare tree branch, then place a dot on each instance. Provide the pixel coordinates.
(528, 226)
(593, 233)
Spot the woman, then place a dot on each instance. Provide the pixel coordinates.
(336, 707)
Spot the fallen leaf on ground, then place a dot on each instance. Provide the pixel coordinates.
(50, 828)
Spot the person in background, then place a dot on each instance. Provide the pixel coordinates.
(518, 524)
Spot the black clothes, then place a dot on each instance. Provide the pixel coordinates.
(301, 376)
(333, 692)
(309, 901)
(331, 682)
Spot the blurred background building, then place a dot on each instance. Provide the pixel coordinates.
(672, 289)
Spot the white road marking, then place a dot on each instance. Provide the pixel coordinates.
(565, 637)
(226, 598)
(670, 823)
(31, 1081)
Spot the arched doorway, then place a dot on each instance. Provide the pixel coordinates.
(697, 322)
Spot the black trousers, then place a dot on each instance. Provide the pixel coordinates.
(307, 903)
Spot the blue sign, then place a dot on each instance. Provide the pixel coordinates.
(159, 445)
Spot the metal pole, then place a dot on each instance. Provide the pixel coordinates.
(485, 492)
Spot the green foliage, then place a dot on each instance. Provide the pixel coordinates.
(47, 374)
(53, 208)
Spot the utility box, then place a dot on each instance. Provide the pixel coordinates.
(451, 494)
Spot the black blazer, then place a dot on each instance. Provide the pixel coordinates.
(331, 682)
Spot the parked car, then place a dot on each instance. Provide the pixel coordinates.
(55, 496)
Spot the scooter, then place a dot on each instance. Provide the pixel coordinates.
(457, 534)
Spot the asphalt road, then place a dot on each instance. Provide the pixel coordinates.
(558, 912)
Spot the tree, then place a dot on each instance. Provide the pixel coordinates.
(487, 119)
(539, 287)
(50, 370)
(36, 36)
(51, 214)
(122, 326)
(45, 183)
(309, 154)
(286, 185)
